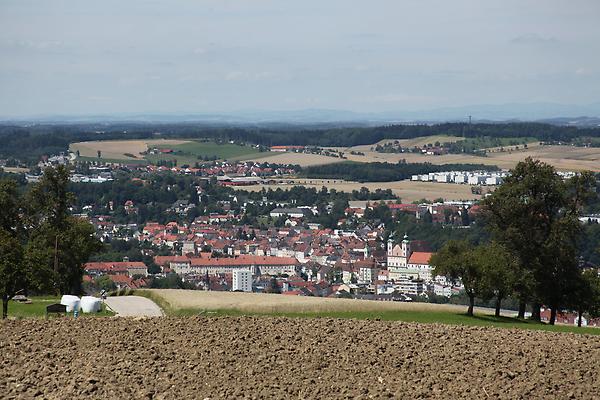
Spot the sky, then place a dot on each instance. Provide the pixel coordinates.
(78, 57)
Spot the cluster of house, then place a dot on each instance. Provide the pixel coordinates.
(60, 159)
(129, 274)
(448, 212)
(568, 318)
(298, 259)
(287, 148)
(396, 147)
(224, 170)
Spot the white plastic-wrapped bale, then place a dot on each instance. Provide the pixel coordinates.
(90, 304)
(72, 302)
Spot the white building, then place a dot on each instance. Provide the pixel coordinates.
(366, 274)
(189, 247)
(290, 212)
(413, 287)
(242, 281)
(476, 180)
(442, 290)
(402, 262)
(460, 178)
(443, 177)
(493, 180)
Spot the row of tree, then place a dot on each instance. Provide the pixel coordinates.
(384, 172)
(534, 252)
(42, 247)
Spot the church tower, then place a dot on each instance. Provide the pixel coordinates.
(390, 244)
(406, 247)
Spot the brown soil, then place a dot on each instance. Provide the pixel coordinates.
(252, 357)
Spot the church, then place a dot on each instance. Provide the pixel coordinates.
(403, 262)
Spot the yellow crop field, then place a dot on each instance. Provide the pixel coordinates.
(302, 159)
(564, 158)
(116, 149)
(408, 191)
(260, 302)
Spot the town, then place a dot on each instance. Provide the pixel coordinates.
(212, 235)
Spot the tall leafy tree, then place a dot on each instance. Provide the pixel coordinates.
(521, 215)
(586, 295)
(457, 260)
(497, 266)
(49, 200)
(534, 215)
(13, 273)
(58, 241)
(13, 276)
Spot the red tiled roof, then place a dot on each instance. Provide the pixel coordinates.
(244, 260)
(164, 260)
(119, 266)
(293, 293)
(419, 257)
(404, 207)
(121, 279)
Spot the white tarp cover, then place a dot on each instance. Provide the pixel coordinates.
(90, 304)
(72, 302)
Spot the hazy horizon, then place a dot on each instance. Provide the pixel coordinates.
(84, 58)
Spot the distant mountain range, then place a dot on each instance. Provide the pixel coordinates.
(578, 115)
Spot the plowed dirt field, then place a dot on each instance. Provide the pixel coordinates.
(266, 357)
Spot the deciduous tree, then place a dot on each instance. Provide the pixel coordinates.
(497, 265)
(526, 215)
(457, 261)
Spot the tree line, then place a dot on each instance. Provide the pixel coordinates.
(534, 247)
(28, 143)
(42, 247)
(384, 172)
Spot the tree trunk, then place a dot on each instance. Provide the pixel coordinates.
(579, 316)
(522, 307)
(498, 306)
(4, 307)
(552, 315)
(536, 312)
(471, 305)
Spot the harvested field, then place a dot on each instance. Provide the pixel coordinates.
(408, 191)
(418, 141)
(565, 158)
(258, 302)
(265, 357)
(423, 141)
(15, 170)
(116, 149)
(302, 159)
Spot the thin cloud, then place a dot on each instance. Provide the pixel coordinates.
(534, 38)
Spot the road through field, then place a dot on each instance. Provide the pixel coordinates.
(133, 306)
